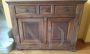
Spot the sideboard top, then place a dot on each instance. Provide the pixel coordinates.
(42, 0)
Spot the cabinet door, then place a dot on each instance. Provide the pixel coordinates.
(31, 33)
(58, 33)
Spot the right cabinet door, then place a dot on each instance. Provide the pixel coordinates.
(60, 33)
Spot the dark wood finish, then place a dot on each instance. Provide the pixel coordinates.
(65, 11)
(31, 32)
(57, 32)
(15, 26)
(46, 24)
(45, 9)
(25, 9)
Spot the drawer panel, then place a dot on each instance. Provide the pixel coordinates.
(26, 9)
(65, 11)
(45, 9)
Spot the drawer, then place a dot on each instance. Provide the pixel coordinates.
(25, 9)
(64, 11)
(45, 9)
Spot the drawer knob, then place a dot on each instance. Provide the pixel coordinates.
(27, 10)
(67, 9)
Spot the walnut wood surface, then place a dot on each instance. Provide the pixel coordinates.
(46, 24)
(41, 0)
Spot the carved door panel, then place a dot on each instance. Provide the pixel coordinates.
(57, 33)
(31, 33)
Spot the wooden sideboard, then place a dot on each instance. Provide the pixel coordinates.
(46, 24)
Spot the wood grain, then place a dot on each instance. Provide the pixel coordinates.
(46, 24)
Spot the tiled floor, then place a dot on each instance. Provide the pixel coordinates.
(81, 49)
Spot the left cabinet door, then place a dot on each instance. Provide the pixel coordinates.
(31, 33)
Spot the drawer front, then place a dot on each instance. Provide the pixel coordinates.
(45, 9)
(25, 9)
(64, 11)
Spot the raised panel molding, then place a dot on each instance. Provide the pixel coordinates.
(46, 24)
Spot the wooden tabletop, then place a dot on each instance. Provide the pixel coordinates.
(41, 0)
